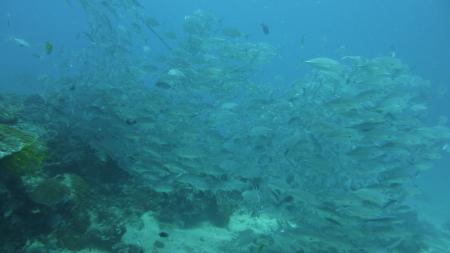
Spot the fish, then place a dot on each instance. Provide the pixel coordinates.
(163, 234)
(109, 8)
(265, 29)
(151, 22)
(90, 36)
(176, 73)
(136, 27)
(146, 49)
(232, 32)
(391, 202)
(333, 221)
(302, 42)
(392, 51)
(20, 42)
(260, 131)
(261, 247)
(135, 3)
(8, 17)
(287, 199)
(163, 85)
(38, 56)
(157, 245)
(323, 40)
(85, 4)
(383, 219)
(446, 148)
(171, 35)
(228, 106)
(324, 63)
(130, 122)
(48, 47)
(149, 68)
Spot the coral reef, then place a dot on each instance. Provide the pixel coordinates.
(206, 160)
(21, 152)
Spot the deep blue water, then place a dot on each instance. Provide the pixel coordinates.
(418, 31)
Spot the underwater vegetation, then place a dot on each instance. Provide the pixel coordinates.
(7, 115)
(205, 159)
(21, 153)
(60, 189)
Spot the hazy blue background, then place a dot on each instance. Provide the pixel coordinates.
(418, 31)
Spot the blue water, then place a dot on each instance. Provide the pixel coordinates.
(418, 31)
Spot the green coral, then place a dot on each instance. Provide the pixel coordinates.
(61, 189)
(50, 192)
(12, 140)
(20, 152)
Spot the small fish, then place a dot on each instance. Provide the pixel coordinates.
(8, 17)
(333, 221)
(265, 29)
(157, 245)
(146, 49)
(151, 22)
(163, 234)
(48, 47)
(130, 122)
(149, 68)
(392, 51)
(38, 56)
(324, 41)
(446, 225)
(446, 148)
(20, 42)
(232, 32)
(389, 203)
(136, 27)
(323, 63)
(302, 42)
(287, 199)
(261, 247)
(163, 85)
(176, 73)
(171, 35)
(136, 3)
(385, 219)
(90, 36)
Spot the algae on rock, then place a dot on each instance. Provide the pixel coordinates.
(21, 152)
